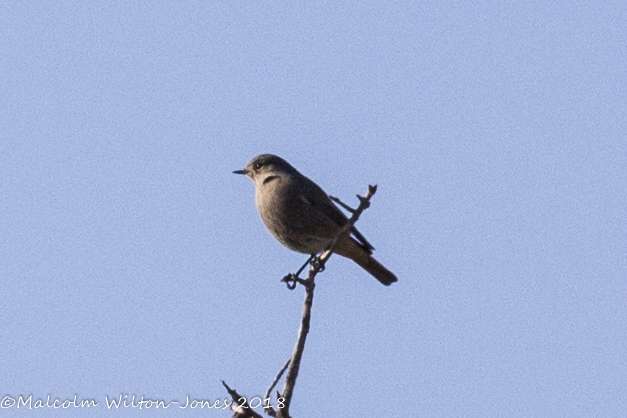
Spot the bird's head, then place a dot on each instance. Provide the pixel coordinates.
(265, 168)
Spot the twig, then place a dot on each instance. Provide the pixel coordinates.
(294, 364)
(270, 410)
(364, 203)
(245, 411)
(342, 204)
(292, 372)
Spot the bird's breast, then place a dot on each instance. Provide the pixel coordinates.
(286, 218)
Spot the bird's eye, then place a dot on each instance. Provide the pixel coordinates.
(258, 166)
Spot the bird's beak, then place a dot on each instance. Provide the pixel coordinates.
(241, 171)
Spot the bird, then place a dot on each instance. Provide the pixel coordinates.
(302, 217)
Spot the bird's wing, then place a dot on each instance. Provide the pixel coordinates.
(313, 195)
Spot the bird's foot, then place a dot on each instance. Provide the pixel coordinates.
(317, 263)
(292, 278)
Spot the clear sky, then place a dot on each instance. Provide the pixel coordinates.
(133, 261)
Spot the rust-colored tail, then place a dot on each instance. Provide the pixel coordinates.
(349, 248)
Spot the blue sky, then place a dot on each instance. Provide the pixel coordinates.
(133, 261)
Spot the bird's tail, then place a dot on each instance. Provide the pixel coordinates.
(348, 248)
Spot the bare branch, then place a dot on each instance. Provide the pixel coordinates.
(270, 410)
(342, 204)
(364, 203)
(292, 372)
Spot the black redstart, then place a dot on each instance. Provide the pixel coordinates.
(303, 218)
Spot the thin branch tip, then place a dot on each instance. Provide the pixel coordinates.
(342, 204)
